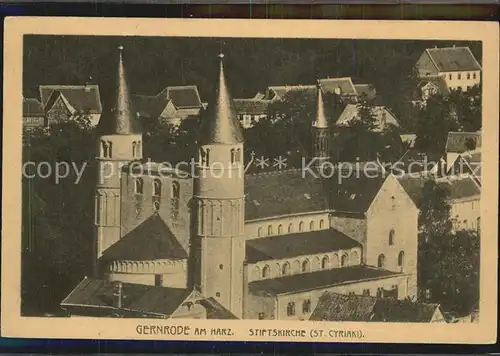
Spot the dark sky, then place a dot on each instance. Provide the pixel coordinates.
(251, 64)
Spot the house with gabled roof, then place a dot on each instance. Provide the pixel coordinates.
(460, 142)
(173, 243)
(341, 307)
(33, 113)
(66, 102)
(456, 65)
(384, 118)
(251, 111)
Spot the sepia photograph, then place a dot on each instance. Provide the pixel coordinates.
(313, 181)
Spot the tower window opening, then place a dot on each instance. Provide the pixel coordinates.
(134, 149)
(401, 259)
(238, 155)
(392, 234)
(139, 186)
(157, 188)
(233, 155)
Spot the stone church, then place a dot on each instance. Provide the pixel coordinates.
(219, 243)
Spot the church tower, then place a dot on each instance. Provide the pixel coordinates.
(219, 244)
(320, 132)
(119, 143)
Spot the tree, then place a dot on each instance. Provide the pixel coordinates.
(434, 217)
(467, 107)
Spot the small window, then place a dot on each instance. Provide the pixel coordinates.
(269, 230)
(306, 266)
(262, 316)
(285, 270)
(301, 226)
(344, 260)
(391, 237)
(265, 271)
(324, 262)
(473, 75)
(290, 228)
(217, 295)
(311, 226)
(468, 75)
(221, 266)
(459, 77)
(157, 188)
(280, 229)
(450, 76)
(290, 309)
(321, 224)
(139, 186)
(401, 258)
(176, 190)
(381, 261)
(306, 306)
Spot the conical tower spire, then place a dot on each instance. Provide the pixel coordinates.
(119, 118)
(320, 120)
(221, 125)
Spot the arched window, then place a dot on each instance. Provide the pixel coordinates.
(266, 271)
(110, 149)
(479, 224)
(139, 147)
(344, 260)
(301, 226)
(401, 258)
(290, 309)
(138, 186)
(285, 270)
(468, 75)
(321, 224)
(311, 226)
(134, 149)
(176, 190)
(157, 188)
(324, 262)
(207, 157)
(306, 267)
(354, 258)
(233, 155)
(335, 261)
(104, 149)
(259, 231)
(280, 229)
(238, 155)
(306, 306)
(381, 261)
(392, 235)
(269, 230)
(290, 228)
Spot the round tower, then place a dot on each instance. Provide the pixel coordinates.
(119, 142)
(320, 132)
(219, 245)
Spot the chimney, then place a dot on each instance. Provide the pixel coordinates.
(118, 294)
(87, 84)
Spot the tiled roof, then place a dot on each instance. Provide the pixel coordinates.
(283, 193)
(343, 307)
(183, 97)
(317, 280)
(151, 240)
(149, 106)
(83, 98)
(463, 141)
(215, 310)
(451, 59)
(367, 91)
(136, 298)
(460, 187)
(340, 307)
(401, 311)
(251, 106)
(32, 108)
(332, 85)
(355, 193)
(297, 244)
(382, 116)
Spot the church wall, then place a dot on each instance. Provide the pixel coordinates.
(260, 307)
(314, 295)
(136, 208)
(289, 224)
(393, 210)
(354, 227)
(255, 271)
